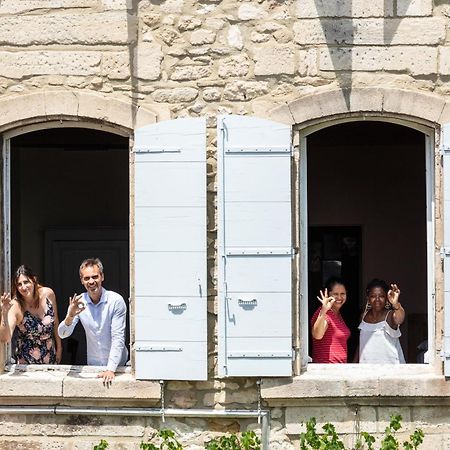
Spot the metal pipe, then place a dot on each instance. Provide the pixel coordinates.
(150, 412)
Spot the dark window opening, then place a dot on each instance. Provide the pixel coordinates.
(70, 201)
(367, 195)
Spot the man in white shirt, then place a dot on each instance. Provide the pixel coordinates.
(103, 315)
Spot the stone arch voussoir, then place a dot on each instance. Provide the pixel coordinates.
(413, 104)
(16, 110)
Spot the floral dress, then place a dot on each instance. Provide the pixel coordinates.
(35, 344)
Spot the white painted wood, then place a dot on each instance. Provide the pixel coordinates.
(255, 247)
(170, 250)
(445, 147)
(156, 187)
(173, 319)
(247, 314)
(258, 273)
(170, 274)
(164, 359)
(168, 221)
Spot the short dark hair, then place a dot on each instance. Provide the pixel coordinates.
(333, 281)
(90, 262)
(377, 282)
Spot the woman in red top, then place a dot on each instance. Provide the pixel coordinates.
(329, 331)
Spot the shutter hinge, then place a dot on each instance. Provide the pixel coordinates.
(272, 355)
(443, 252)
(444, 150)
(157, 150)
(259, 149)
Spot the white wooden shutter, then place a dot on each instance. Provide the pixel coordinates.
(255, 247)
(170, 250)
(445, 252)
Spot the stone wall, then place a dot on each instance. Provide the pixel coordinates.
(129, 62)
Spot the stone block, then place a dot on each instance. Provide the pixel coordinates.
(202, 37)
(414, 7)
(147, 61)
(251, 11)
(343, 418)
(14, 6)
(116, 65)
(281, 114)
(87, 385)
(444, 60)
(343, 8)
(235, 66)
(117, 4)
(308, 62)
(183, 73)
(172, 6)
(425, 106)
(59, 103)
(244, 90)
(175, 95)
(370, 31)
(65, 29)
(32, 384)
(274, 60)
(17, 65)
(416, 60)
(234, 37)
(188, 23)
(211, 94)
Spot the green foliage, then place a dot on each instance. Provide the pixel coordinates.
(166, 441)
(103, 445)
(247, 441)
(329, 440)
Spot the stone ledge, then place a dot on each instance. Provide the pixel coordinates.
(353, 382)
(50, 384)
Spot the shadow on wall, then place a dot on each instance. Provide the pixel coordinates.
(342, 31)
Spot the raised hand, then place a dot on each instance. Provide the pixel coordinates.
(5, 303)
(327, 302)
(76, 305)
(393, 295)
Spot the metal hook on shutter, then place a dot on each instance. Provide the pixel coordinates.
(163, 401)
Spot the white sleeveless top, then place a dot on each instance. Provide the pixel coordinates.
(379, 343)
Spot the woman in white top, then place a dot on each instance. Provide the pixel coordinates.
(380, 326)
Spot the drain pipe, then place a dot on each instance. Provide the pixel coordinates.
(261, 415)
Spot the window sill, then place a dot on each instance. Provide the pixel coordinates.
(47, 384)
(368, 383)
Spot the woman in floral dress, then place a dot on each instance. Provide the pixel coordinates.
(33, 311)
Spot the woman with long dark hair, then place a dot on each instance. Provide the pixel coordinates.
(33, 311)
(329, 331)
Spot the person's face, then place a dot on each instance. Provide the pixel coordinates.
(92, 280)
(339, 293)
(377, 298)
(25, 286)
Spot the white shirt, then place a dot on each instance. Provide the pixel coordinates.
(104, 325)
(379, 343)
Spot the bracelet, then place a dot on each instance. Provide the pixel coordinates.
(396, 309)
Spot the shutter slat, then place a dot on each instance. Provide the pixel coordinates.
(255, 247)
(170, 251)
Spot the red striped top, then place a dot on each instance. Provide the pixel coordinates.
(332, 348)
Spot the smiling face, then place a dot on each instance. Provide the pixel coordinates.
(92, 279)
(25, 287)
(339, 293)
(377, 298)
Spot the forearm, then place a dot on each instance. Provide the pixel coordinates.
(5, 330)
(320, 326)
(64, 329)
(398, 314)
